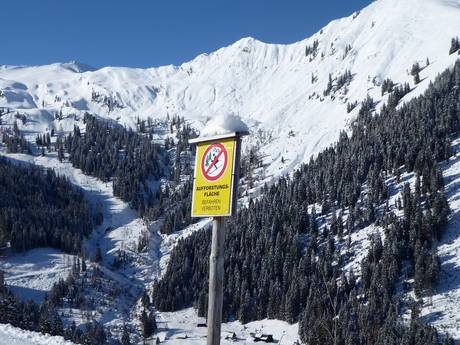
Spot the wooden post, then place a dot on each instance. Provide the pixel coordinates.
(216, 259)
(216, 281)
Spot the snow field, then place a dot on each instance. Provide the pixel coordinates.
(10, 335)
(181, 328)
(32, 274)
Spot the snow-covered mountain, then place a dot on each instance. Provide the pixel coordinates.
(275, 88)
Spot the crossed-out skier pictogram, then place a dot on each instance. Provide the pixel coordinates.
(214, 162)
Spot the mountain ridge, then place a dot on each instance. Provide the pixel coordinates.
(279, 90)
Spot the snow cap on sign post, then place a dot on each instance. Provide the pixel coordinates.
(222, 126)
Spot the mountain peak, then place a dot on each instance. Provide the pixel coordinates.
(247, 42)
(77, 67)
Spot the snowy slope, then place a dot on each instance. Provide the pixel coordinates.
(269, 85)
(181, 328)
(443, 308)
(10, 335)
(32, 274)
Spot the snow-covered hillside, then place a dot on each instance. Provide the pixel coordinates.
(33, 274)
(275, 88)
(278, 90)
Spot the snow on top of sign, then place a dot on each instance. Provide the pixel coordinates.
(224, 124)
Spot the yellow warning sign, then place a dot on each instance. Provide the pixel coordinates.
(214, 175)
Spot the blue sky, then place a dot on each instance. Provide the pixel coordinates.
(146, 33)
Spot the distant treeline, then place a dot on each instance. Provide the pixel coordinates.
(41, 209)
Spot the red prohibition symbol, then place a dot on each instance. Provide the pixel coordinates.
(214, 162)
